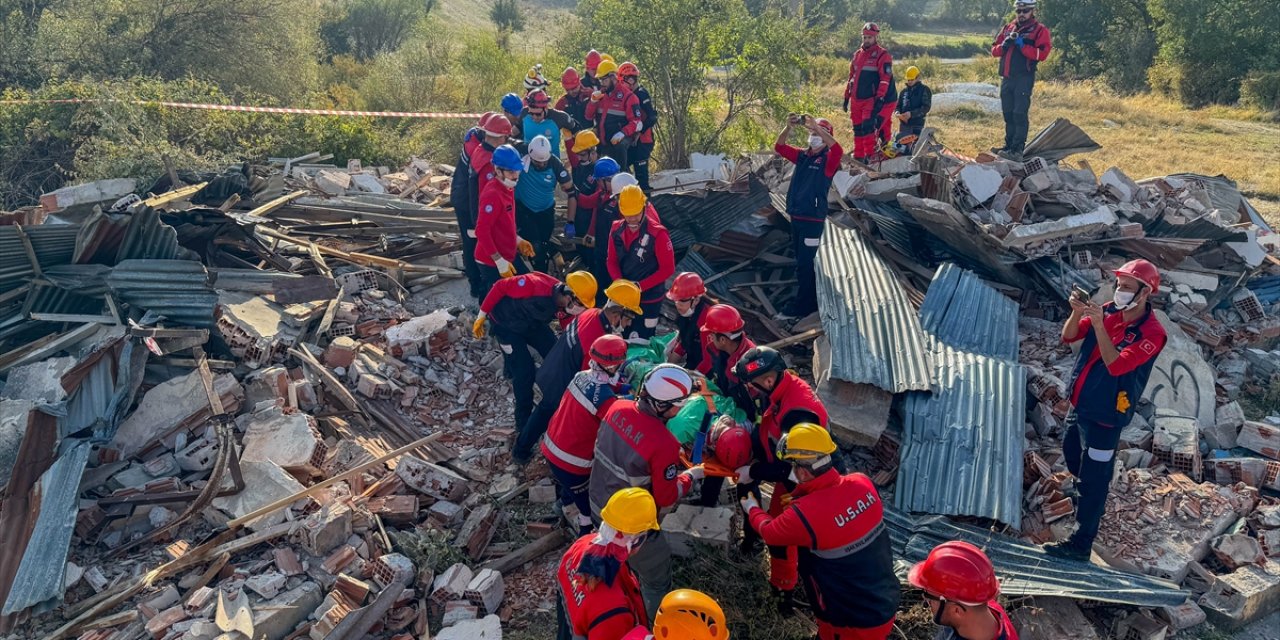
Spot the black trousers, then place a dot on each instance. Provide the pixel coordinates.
(619, 152)
(805, 236)
(518, 364)
(1090, 452)
(638, 157)
(469, 266)
(1015, 102)
(536, 227)
(646, 326)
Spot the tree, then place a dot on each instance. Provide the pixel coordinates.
(1207, 49)
(1111, 39)
(367, 28)
(975, 11)
(19, 20)
(506, 16)
(708, 63)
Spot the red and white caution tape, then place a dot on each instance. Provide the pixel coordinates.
(251, 109)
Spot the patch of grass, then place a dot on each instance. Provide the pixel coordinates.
(910, 44)
(1261, 400)
(741, 586)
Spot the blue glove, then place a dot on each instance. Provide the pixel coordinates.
(1020, 41)
(569, 230)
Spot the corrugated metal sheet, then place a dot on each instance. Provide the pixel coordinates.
(962, 444)
(44, 562)
(148, 238)
(1056, 276)
(962, 311)
(1026, 570)
(1059, 140)
(875, 335)
(176, 289)
(719, 289)
(54, 244)
(702, 216)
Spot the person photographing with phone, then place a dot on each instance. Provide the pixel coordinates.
(1119, 345)
(816, 165)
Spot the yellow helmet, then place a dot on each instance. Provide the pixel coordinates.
(606, 57)
(889, 150)
(806, 442)
(585, 140)
(625, 293)
(631, 511)
(583, 285)
(606, 67)
(913, 73)
(631, 201)
(686, 614)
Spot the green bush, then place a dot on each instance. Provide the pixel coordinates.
(1261, 89)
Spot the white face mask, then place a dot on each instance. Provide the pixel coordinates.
(1123, 299)
(815, 142)
(511, 184)
(688, 312)
(792, 476)
(609, 535)
(574, 309)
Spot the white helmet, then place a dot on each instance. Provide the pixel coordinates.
(540, 149)
(621, 180)
(668, 383)
(1024, 3)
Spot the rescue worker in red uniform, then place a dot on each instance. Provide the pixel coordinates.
(685, 614)
(1119, 344)
(635, 449)
(574, 102)
(640, 250)
(463, 209)
(846, 561)
(497, 130)
(571, 354)
(869, 92)
(1021, 46)
(593, 199)
(496, 239)
(571, 436)
(691, 347)
(589, 68)
(519, 310)
(960, 587)
(642, 148)
(617, 114)
(599, 594)
(783, 400)
(807, 203)
(727, 340)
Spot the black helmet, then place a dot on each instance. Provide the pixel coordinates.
(758, 361)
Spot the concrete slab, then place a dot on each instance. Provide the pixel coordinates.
(859, 413)
(39, 381)
(688, 525)
(1050, 618)
(276, 618)
(289, 440)
(486, 628)
(1078, 225)
(265, 482)
(173, 402)
(1181, 381)
(1244, 595)
(366, 183)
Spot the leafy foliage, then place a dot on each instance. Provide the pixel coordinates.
(506, 16)
(366, 28)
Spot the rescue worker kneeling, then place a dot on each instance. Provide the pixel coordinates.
(599, 595)
(846, 563)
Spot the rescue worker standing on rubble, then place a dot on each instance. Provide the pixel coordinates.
(640, 250)
(807, 204)
(536, 198)
(599, 594)
(635, 449)
(571, 436)
(497, 131)
(685, 614)
(846, 562)
(727, 340)
(783, 401)
(691, 347)
(571, 354)
(463, 208)
(496, 239)
(960, 587)
(518, 311)
(638, 158)
(914, 104)
(1021, 46)
(868, 92)
(616, 110)
(1119, 343)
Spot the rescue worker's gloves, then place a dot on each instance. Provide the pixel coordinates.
(524, 247)
(696, 472)
(588, 241)
(617, 137)
(596, 96)
(748, 503)
(744, 474)
(1020, 41)
(904, 117)
(845, 106)
(505, 269)
(477, 329)
(471, 233)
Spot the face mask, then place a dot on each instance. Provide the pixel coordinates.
(689, 312)
(511, 184)
(792, 476)
(815, 142)
(575, 309)
(609, 535)
(1123, 299)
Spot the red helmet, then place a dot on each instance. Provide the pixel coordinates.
(1142, 271)
(686, 285)
(628, 70)
(957, 571)
(826, 124)
(484, 119)
(609, 351)
(870, 29)
(733, 447)
(498, 125)
(593, 60)
(722, 318)
(538, 99)
(570, 79)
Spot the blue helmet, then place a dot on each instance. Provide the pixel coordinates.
(506, 157)
(512, 104)
(605, 168)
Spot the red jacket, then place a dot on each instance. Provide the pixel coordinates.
(870, 74)
(722, 365)
(642, 633)
(1014, 60)
(571, 436)
(793, 401)
(846, 562)
(635, 449)
(522, 302)
(644, 256)
(496, 224)
(609, 611)
(618, 110)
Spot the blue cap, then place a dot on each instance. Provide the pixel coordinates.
(506, 157)
(512, 104)
(605, 168)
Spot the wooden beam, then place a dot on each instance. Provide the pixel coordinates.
(72, 317)
(812, 334)
(528, 553)
(268, 207)
(173, 196)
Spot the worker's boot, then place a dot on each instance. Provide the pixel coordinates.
(1069, 549)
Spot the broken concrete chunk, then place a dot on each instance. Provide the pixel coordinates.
(690, 525)
(486, 628)
(1242, 596)
(333, 182)
(290, 440)
(452, 583)
(1078, 225)
(264, 483)
(1260, 437)
(276, 618)
(39, 381)
(1237, 550)
(178, 401)
(486, 590)
(267, 585)
(431, 479)
(982, 182)
(1051, 618)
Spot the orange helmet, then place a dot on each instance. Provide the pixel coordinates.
(722, 318)
(957, 571)
(686, 285)
(628, 70)
(1142, 271)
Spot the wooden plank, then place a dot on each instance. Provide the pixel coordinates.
(72, 317)
(528, 553)
(812, 334)
(764, 300)
(31, 251)
(175, 195)
(272, 205)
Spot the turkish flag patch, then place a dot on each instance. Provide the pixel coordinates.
(1148, 347)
